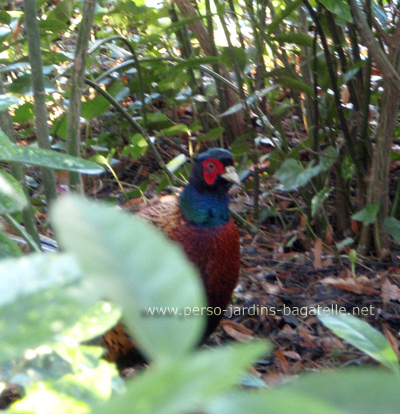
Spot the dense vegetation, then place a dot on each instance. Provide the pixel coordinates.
(121, 95)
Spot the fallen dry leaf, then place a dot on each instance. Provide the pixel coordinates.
(390, 292)
(292, 355)
(282, 360)
(360, 285)
(237, 331)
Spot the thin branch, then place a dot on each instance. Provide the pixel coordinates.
(39, 94)
(389, 72)
(78, 73)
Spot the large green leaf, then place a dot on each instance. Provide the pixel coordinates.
(8, 248)
(368, 214)
(292, 174)
(363, 336)
(134, 265)
(94, 322)
(38, 301)
(12, 197)
(100, 104)
(339, 7)
(392, 227)
(87, 382)
(183, 385)
(45, 158)
(363, 391)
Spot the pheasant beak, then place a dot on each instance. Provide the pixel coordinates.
(231, 175)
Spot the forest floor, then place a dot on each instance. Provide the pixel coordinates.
(286, 275)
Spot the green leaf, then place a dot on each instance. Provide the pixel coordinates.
(348, 241)
(137, 148)
(175, 130)
(292, 175)
(255, 97)
(176, 163)
(361, 391)
(54, 58)
(6, 101)
(8, 248)
(134, 265)
(5, 17)
(368, 214)
(89, 383)
(339, 7)
(301, 39)
(100, 104)
(39, 299)
(319, 199)
(181, 386)
(195, 62)
(227, 60)
(327, 158)
(212, 135)
(267, 402)
(24, 113)
(349, 75)
(52, 25)
(278, 19)
(282, 108)
(363, 336)
(392, 227)
(297, 84)
(232, 110)
(97, 320)
(12, 197)
(62, 11)
(158, 121)
(45, 158)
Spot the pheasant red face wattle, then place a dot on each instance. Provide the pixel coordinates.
(211, 170)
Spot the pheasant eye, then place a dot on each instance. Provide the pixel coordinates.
(210, 166)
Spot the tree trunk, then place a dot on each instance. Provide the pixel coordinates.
(378, 183)
(199, 30)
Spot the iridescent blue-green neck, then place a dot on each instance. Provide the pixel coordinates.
(204, 208)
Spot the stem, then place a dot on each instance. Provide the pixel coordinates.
(78, 73)
(39, 94)
(33, 244)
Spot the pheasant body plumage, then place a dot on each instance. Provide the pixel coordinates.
(200, 222)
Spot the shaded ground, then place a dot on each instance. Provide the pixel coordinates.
(286, 275)
(279, 292)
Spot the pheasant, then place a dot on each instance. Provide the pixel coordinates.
(199, 221)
